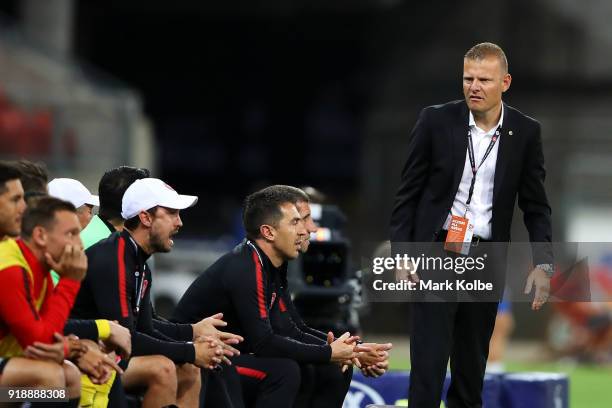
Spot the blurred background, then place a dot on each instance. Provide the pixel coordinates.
(220, 98)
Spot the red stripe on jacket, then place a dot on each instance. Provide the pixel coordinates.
(261, 299)
(251, 372)
(122, 292)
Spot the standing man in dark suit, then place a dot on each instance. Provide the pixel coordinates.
(469, 159)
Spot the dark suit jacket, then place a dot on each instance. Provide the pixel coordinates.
(433, 169)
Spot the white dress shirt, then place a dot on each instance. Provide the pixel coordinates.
(480, 212)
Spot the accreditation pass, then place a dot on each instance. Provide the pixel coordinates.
(459, 237)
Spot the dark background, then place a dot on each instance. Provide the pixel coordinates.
(243, 94)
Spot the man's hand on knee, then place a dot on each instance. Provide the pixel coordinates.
(55, 351)
(97, 365)
(68, 347)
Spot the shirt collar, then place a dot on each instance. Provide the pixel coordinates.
(472, 122)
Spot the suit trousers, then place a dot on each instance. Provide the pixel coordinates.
(455, 330)
(460, 331)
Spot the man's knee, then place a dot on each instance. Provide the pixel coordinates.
(34, 373)
(155, 370)
(49, 375)
(308, 374)
(188, 374)
(72, 377)
(288, 371)
(331, 375)
(163, 371)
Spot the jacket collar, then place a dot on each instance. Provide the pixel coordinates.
(266, 262)
(504, 151)
(141, 255)
(459, 140)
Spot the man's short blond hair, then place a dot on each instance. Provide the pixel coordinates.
(487, 49)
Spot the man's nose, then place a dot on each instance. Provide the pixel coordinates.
(302, 229)
(22, 206)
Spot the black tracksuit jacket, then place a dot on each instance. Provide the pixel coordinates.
(118, 287)
(251, 294)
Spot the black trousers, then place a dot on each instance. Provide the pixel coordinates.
(268, 382)
(323, 386)
(460, 331)
(275, 382)
(221, 389)
(252, 382)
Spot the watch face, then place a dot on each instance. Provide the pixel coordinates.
(546, 268)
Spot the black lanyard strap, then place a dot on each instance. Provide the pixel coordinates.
(139, 279)
(473, 161)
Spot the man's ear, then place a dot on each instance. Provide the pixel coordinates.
(268, 232)
(507, 81)
(39, 236)
(146, 218)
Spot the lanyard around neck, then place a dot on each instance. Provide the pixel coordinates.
(140, 279)
(473, 161)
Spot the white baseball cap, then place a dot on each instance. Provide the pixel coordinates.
(72, 190)
(147, 193)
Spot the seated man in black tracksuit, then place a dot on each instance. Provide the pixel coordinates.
(144, 371)
(317, 379)
(322, 385)
(246, 286)
(118, 284)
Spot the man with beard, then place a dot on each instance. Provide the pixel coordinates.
(118, 284)
(142, 372)
(12, 201)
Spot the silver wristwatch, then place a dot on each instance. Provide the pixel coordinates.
(547, 268)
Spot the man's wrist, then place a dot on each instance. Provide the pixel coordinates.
(547, 268)
(104, 329)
